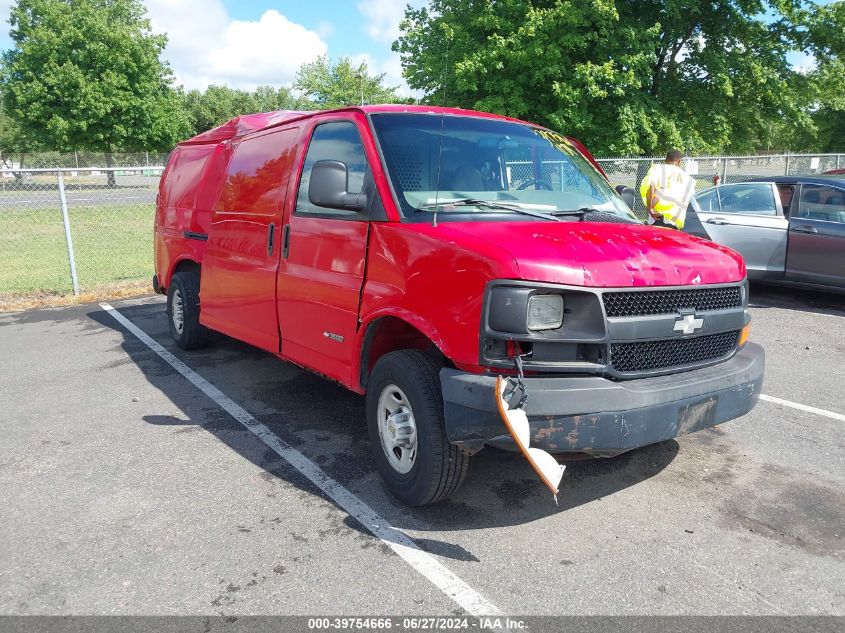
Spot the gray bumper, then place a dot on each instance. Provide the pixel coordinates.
(590, 414)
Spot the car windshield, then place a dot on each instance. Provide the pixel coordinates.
(472, 168)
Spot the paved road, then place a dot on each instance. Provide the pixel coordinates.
(126, 490)
(130, 190)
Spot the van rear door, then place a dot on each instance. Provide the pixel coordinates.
(324, 257)
(238, 284)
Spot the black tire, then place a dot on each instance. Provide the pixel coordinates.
(193, 335)
(439, 468)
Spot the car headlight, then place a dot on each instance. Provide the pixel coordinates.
(545, 312)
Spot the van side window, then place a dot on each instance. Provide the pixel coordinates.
(257, 176)
(333, 141)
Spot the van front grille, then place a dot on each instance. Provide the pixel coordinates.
(649, 302)
(645, 356)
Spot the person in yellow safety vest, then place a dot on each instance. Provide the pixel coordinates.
(666, 191)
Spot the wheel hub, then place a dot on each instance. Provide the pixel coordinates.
(178, 311)
(400, 426)
(397, 429)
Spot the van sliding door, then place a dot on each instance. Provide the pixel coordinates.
(238, 283)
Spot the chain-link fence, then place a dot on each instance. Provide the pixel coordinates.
(68, 229)
(75, 230)
(631, 171)
(79, 160)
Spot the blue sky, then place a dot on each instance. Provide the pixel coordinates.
(245, 43)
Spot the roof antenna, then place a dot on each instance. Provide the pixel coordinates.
(442, 126)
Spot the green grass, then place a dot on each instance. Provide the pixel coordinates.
(112, 244)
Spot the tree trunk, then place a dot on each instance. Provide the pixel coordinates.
(19, 174)
(112, 183)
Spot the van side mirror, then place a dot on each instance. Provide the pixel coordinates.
(627, 194)
(327, 187)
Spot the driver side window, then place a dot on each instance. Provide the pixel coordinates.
(340, 141)
(747, 199)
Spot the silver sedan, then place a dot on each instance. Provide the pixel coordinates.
(789, 229)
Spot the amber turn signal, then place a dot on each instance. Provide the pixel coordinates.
(743, 335)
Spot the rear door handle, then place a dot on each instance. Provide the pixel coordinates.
(286, 241)
(718, 221)
(271, 234)
(804, 228)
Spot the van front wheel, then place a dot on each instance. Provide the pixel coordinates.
(183, 311)
(407, 435)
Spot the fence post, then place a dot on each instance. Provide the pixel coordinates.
(786, 169)
(725, 172)
(68, 238)
(837, 160)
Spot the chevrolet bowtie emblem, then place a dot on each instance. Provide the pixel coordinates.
(689, 324)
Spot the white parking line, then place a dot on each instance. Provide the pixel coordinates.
(803, 407)
(465, 596)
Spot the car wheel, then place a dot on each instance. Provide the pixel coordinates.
(183, 311)
(406, 430)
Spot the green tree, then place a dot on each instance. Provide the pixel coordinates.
(217, 104)
(14, 142)
(630, 76)
(336, 85)
(87, 74)
(825, 41)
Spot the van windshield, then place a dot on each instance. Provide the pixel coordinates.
(462, 166)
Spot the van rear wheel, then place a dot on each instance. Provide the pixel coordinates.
(183, 311)
(406, 430)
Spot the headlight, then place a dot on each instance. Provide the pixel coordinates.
(545, 312)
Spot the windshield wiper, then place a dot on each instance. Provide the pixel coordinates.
(581, 211)
(486, 204)
(585, 210)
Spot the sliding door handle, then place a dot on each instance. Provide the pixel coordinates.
(804, 228)
(271, 234)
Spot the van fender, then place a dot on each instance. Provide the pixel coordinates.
(365, 336)
(187, 258)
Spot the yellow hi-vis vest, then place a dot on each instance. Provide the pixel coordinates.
(673, 188)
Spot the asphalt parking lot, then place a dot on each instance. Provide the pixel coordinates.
(127, 490)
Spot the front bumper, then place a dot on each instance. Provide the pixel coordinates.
(590, 414)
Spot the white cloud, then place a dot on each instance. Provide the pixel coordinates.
(205, 46)
(325, 29)
(383, 17)
(268, 51)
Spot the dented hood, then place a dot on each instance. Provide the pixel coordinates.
(601, 254)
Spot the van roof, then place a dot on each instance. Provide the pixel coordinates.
(242, 125)
(248, 123)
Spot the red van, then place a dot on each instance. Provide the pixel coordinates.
(414, 254)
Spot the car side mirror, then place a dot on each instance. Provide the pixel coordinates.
(327, 187)
(627, 194)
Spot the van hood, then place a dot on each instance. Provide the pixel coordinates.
(605, 255)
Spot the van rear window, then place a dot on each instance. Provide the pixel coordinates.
(184, 175)
(257, 177)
